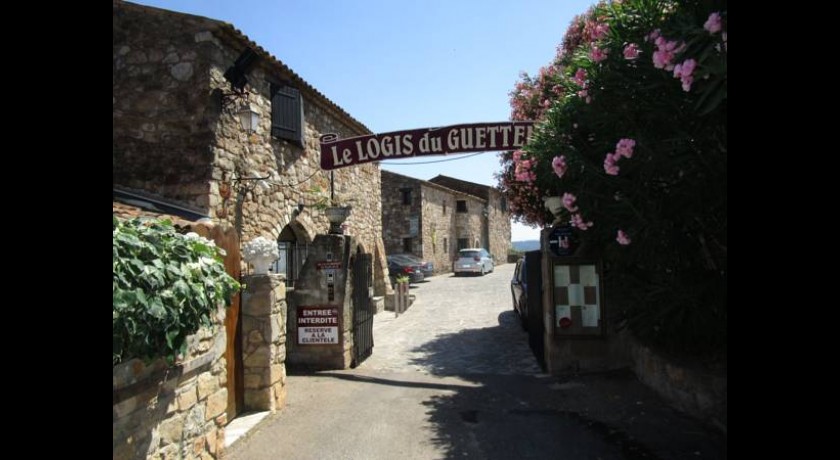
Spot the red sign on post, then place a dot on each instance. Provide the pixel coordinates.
(327, 265)
(477, 137)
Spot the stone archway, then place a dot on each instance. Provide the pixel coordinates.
(293, 243)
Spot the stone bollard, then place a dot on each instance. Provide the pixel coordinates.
(400, 298)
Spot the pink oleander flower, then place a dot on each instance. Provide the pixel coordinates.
(559, 165)
(597, 54)
(569, 202)
(684, 72)
(622, 238)
(624, 148)
(577, 221)
(596, 30)
(609, 164)
(686, 83)
(523, 171)
(580, 77)
(684, 69)
(668, 45)
(661, 59)
(631, 52)
(713, 23)
(652, 36)
(583, 94)
(665, 52)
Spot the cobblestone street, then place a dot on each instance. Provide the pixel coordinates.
(453, 377)
(457, 325)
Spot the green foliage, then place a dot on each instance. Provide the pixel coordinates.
(166, 286)
(669, 283)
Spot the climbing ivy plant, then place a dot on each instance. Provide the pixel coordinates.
(166, 286)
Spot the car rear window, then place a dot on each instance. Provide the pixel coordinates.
(470, 254)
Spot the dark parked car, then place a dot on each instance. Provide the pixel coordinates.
(428, 268)
(519, 292)
(398, 267)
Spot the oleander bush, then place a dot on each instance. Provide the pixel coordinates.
(631, 133)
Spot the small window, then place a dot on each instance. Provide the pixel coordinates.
(406, 196)
(445, 246)
(407, 245)
(444, 207)
(461, 206)
(463, 243)
(287, 113)
(503, 204)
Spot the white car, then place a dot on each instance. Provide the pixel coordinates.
(473, 260)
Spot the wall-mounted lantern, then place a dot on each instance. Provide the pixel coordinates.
(249, 118)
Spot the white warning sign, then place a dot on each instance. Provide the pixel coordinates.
(317, 325)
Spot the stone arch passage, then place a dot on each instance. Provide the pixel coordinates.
(293, 243)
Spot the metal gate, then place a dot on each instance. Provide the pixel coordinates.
(363, 309)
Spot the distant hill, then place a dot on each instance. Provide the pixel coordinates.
(527, 245)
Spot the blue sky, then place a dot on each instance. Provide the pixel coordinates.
(397, 65)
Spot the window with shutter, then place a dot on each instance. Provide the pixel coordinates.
(287, 113)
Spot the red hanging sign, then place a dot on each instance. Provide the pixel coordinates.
(476, 137)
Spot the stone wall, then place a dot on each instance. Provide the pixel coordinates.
(470, 224)
(439, 244)
(264, 311)
(441, 226)
(396, 216)
(163, 116)
(177, 412)
(495, 235)
(690, 387)
(499, 222)
(687, 385)
(177, 137)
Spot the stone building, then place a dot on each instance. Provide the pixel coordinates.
(434, 219)
(205, 118)
(210, 127)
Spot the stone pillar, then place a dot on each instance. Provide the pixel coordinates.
(264, 341)
(325, 283)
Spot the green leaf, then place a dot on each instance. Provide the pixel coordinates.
(157, 303)
(170, 338)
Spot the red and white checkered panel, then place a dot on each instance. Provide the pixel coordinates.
(576, 286)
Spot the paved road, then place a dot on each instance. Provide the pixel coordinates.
(453, 377)
(457, 326)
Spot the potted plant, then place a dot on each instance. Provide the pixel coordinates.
(335, 213)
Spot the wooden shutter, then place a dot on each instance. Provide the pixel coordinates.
(287, 114)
